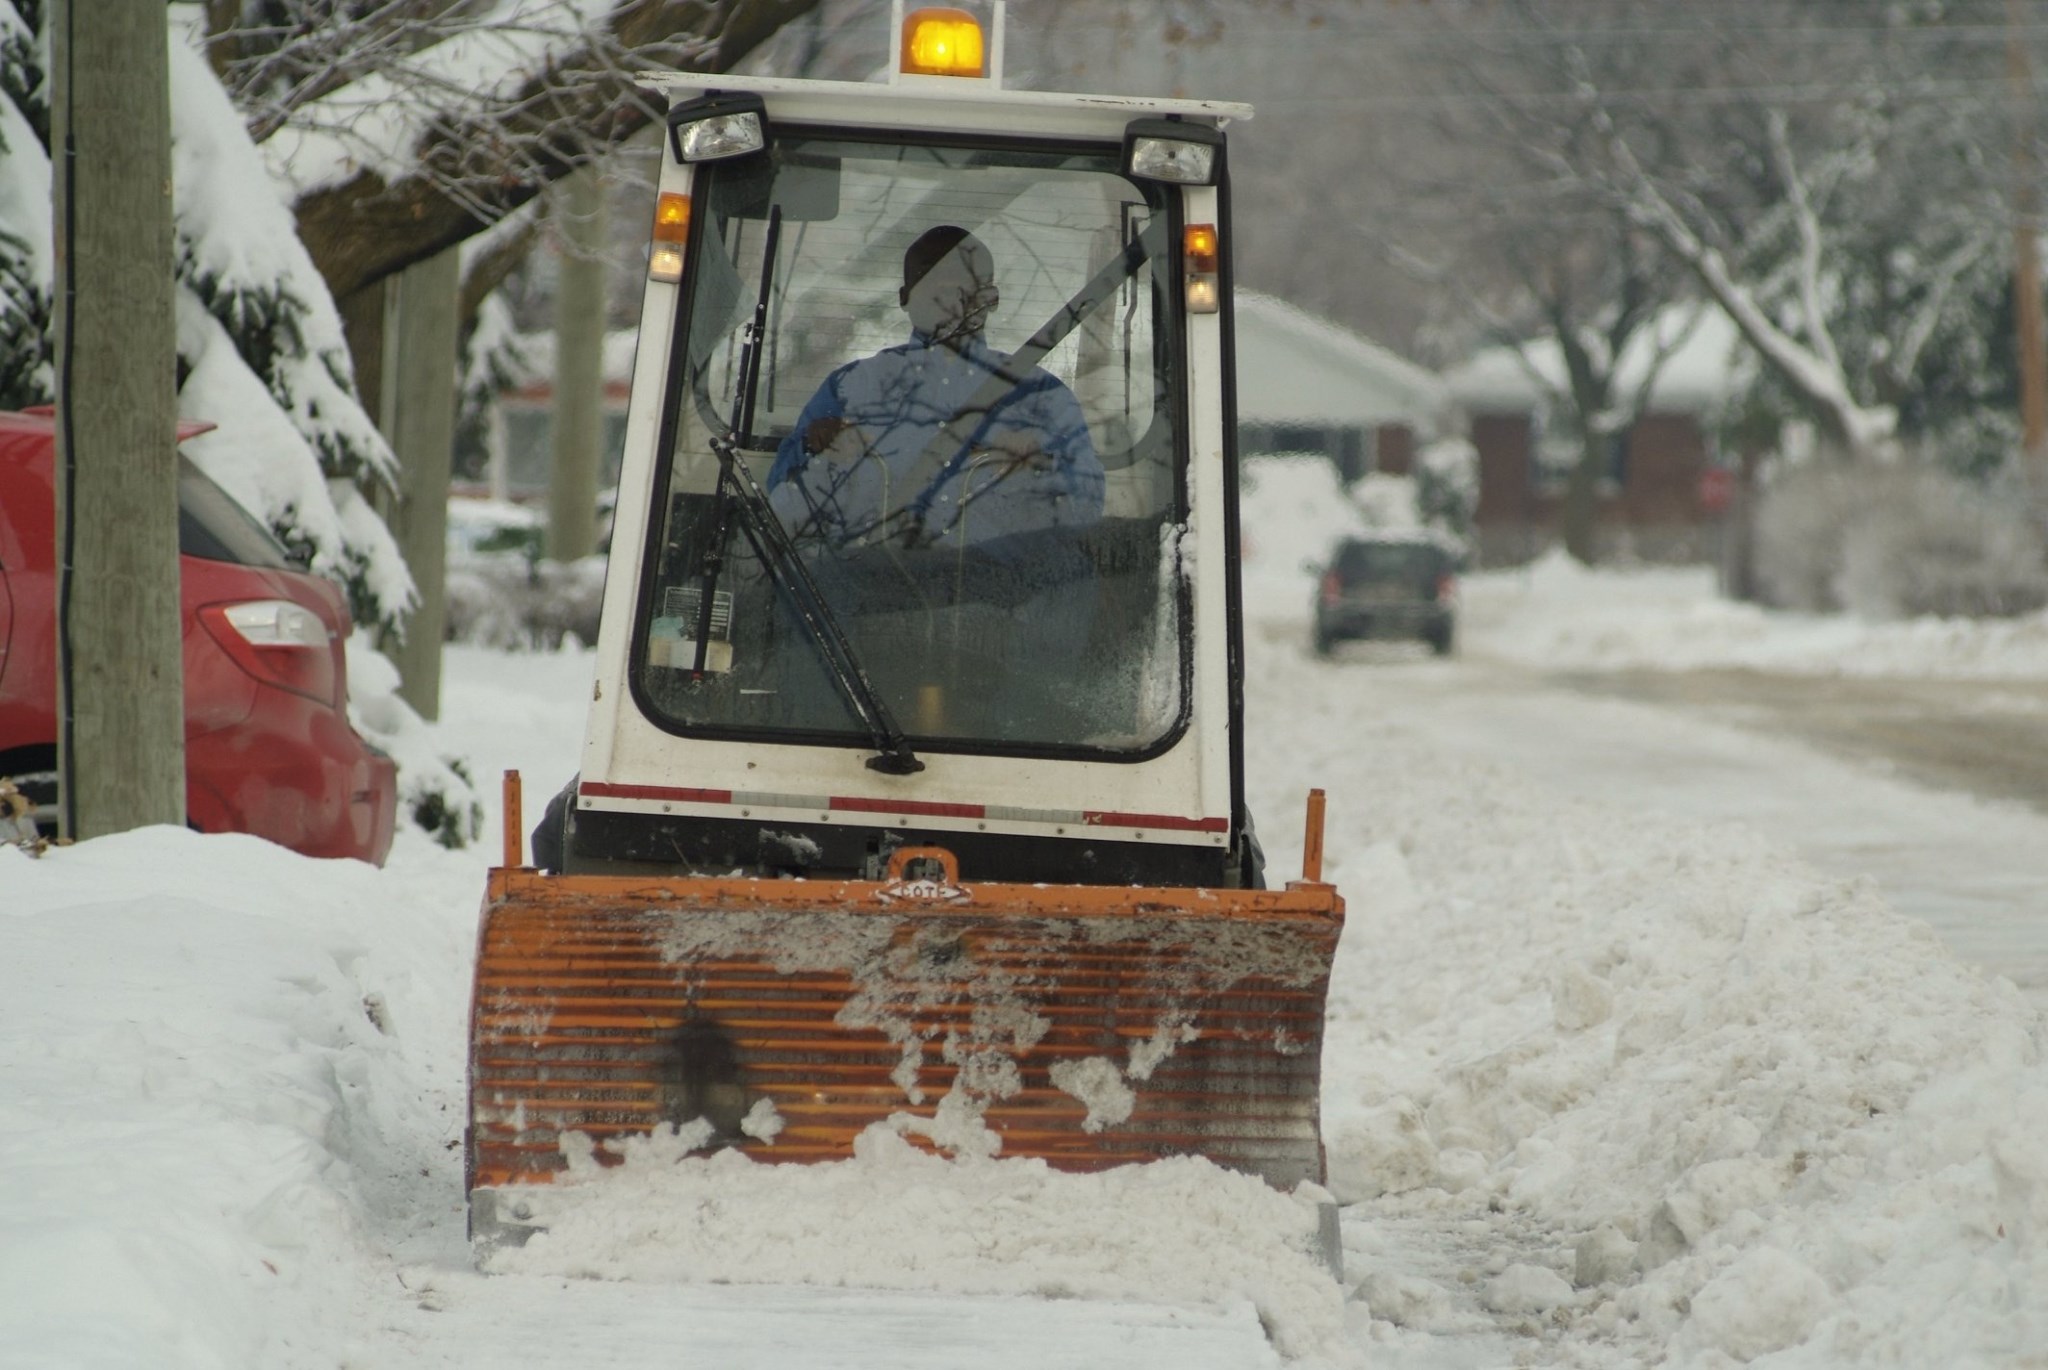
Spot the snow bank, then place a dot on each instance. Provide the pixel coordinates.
(1292, 511)
(245, 1085)
(1558, 614)
(216, 1085)
(1729, 1107)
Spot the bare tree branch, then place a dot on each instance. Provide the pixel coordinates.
(485, 157)
(1807, 224)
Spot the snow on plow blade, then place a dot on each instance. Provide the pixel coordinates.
(1090, 1026)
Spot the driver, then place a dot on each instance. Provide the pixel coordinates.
(934, 440)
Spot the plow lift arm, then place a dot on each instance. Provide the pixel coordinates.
(911, 788)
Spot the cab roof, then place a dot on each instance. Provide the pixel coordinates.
(948, 103)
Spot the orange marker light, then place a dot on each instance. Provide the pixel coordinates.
(671, 217)
(1200, 245)
(671, 231)
(942, 42)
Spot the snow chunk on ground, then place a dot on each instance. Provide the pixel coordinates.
(1386, 1150)
(1765, 1301)
(1526, 1289)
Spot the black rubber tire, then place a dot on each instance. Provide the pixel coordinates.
(551, 834)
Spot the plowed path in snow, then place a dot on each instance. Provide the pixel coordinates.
(1935, 790)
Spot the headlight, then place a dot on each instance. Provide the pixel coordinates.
(1172, 150)
(717, 127)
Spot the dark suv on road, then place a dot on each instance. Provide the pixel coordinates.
(1388, 586)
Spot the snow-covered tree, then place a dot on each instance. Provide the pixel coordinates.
(320, 146)
(1515, 245)
(26, 320)
(1846, 203)
(257, 324)
(259, 343)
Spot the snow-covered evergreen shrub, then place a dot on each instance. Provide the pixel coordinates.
(237, 251)
(516, 601)
(1387, 501)
(1932, 544)
(1447, 486)
(435, 790)
(25, 326)
(1895, 541)
(493, 361)
(260, 352)
(26, 318)
(1800, 518)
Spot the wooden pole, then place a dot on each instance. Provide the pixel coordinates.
(2027, 312)
(419, 370)
(577, 425)
(120, 677)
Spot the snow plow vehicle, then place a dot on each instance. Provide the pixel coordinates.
(912, 790)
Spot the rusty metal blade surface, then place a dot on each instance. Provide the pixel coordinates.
(1088, 1026)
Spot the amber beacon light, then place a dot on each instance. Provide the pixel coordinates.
(671, 232)
(943, 42)
(1201, 251)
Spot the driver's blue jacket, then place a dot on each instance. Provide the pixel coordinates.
(1027, 464)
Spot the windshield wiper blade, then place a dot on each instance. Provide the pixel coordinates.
(774, 549)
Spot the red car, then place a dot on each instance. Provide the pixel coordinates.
(268, 746)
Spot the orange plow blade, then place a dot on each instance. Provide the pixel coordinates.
(1089, 1026)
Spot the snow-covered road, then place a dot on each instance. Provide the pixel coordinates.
(1976, 870)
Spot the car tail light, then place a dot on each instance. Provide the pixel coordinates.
(1446, 588)
(278, 642)
(1333, 588)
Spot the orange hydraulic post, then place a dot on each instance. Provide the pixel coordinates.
(515, 825)
(1312, 840)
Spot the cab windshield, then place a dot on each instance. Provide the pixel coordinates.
(925, 474)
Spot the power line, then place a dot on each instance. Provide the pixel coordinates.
(1988, 90)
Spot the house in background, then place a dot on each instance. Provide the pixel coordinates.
(1660, 496)
(1305, 384)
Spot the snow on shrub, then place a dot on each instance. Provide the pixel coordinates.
(1895, 542)
(1447, 485)
(1936, 546)
(513, 601)
(435, 790)
(26, 319)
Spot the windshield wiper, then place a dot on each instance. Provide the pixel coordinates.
(739, 492)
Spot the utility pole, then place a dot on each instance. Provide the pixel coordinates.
(417, 379)
(577, 426)
(120, 676)
(2026, 283)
